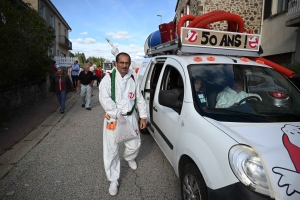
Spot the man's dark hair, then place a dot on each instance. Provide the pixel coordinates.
(124, 54)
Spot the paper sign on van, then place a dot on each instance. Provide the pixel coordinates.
(219, 39)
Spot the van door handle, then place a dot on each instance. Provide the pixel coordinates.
(154, 108)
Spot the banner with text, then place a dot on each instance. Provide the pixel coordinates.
(219, 39)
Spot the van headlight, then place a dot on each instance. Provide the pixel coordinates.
(247, 167)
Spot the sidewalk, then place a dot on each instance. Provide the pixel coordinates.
(24, 130)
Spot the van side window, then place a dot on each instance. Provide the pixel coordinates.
(172, 80)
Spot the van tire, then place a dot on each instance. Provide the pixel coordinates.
(192, 180)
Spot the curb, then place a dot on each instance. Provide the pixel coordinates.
(13, 156)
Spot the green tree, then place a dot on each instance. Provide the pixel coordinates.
(25, 42)
(96, 60)
(71, 54)
(81, 58)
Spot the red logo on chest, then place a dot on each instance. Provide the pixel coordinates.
(131, 95)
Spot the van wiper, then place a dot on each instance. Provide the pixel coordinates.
(226, 110)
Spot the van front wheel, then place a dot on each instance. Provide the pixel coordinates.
(192, 183)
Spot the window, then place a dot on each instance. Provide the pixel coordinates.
(58, 28)
(57, 53)
(173, 81)
(187, 11)
(268, 9)
(181, 15)
(52, 21)
(51, 51)
(43, 11)
(282, 5)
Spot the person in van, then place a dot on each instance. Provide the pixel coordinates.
(232, 94)
(200, 92)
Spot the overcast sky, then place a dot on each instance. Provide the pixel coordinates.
(126, 23)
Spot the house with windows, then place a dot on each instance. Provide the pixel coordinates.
(277, 22)
(280, 30)
(52, 16)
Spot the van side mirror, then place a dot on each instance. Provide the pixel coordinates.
(169, 99)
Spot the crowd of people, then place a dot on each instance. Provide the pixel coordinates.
(76, 79)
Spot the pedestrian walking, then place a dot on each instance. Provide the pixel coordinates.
(53, 70)
(85, 82)
(61, 85)
(119, 93)
(98, 73)
(70, 73)
(75, 70)
(92, 69)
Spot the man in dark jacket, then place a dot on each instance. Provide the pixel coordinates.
(61, 85)
(85, 81)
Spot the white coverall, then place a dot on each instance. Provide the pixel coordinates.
(228, 97)
(124, 89)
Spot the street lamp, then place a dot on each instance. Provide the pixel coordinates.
(160, 15)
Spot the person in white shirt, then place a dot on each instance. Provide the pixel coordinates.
(232, 94)
(92, 68)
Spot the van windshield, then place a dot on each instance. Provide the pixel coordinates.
(243, 90)
(108, 66)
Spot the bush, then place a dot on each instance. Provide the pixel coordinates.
(25, 41)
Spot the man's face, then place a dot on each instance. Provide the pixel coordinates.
(59, 72)
(90, 64)
(238, 86)
(198, 84)
(87, 68)
(123, 64)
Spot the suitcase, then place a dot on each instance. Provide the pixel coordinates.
(167, 32)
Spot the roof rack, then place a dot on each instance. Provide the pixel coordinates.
(199, 41)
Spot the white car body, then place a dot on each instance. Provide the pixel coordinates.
(190, 136)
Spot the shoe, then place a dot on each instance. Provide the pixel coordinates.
(82, 105)
(132, 164)
(88, 108)
(62, 111)
(113, 188)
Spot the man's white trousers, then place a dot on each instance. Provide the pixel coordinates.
(111, 155)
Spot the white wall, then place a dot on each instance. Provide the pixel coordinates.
(276, 37)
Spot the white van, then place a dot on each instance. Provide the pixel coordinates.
(237, 138)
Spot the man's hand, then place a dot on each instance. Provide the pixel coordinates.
(143, 123)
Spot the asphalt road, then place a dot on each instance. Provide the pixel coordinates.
(68, 164)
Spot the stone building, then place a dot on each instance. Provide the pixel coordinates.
(277, 21)
(249, 10)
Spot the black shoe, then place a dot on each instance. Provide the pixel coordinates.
(88, 108)
(62, 111)
(82, 105)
